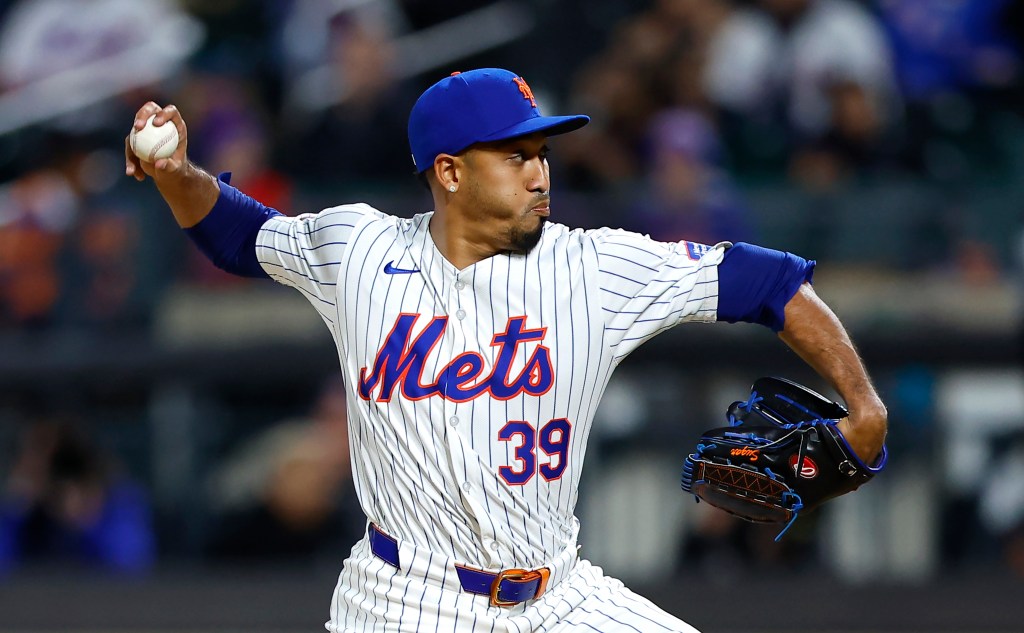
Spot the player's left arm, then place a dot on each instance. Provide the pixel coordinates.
(815, 333)
(773, 288)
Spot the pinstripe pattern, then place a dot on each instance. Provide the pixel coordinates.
(426, 468)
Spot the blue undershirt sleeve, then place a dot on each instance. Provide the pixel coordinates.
(227, 235)
(756, 283)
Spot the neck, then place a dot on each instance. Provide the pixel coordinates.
(459, 240)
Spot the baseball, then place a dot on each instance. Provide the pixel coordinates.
(152, 143)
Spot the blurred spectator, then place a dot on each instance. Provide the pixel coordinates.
(955, 60)
(622, 88)
(687, 195)
(103, 278)
(359, 136)
(823, 67)
(65, 501)
(36, 213)
(605, 154)
(783, 77)
(71, 242)
(287, 493)
(740, 74)
(809, 46)
(952, 45)
(854, 143)
(100, 258)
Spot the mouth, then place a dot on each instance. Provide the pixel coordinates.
(542, 209)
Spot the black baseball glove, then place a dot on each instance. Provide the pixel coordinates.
(781, 454)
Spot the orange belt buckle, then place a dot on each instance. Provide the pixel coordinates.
(519, 575)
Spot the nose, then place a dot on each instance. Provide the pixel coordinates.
(539, 175)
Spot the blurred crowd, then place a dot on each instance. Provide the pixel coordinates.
(306, 104)
(67, 503)
(278, 489)
(695, 105)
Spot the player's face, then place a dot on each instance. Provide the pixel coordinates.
(508, 186)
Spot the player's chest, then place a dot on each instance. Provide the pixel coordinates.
(467, 336)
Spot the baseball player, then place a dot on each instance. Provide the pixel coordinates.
(475, 342)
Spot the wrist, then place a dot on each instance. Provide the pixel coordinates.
(865, 429)
(190, 192)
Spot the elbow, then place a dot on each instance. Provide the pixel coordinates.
(228, 262)
(241, 263)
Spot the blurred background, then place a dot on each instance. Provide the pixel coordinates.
(173, 447)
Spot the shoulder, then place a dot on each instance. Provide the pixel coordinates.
(561, 236)
(354, 211)
(560, 233)
(609, 241)
(619, 247)
(612, 241)
(345, 216)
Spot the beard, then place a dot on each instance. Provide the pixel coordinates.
(522, 241)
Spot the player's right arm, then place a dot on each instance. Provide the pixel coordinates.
(189, 191)
(238, 233)
(223, 222)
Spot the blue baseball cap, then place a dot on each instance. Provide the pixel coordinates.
(487, 104)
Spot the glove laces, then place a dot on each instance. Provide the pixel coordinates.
(798, 505)
(751, 401)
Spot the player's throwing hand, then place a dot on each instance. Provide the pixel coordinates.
(168, 115)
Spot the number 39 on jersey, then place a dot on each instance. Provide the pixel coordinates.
(552, 440)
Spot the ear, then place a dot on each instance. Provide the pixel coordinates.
(447, 170)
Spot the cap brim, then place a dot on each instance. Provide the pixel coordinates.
(549, 125)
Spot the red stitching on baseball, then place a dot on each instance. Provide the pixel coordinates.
(156, 147)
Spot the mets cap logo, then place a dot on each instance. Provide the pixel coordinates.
(525, 89)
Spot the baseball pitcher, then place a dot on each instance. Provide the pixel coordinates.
(476, 341)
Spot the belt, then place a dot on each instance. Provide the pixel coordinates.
(505, 588)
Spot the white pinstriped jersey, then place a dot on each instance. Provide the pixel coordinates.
(472, 392)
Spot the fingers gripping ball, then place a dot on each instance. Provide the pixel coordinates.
(152, 143)
(782, 454)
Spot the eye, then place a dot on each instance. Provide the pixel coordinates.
(518, 156)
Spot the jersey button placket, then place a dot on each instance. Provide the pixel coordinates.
(458, 341)
(493, 552)
(457, 344)
(463, 340)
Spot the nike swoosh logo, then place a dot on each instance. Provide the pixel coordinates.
(390, 269)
